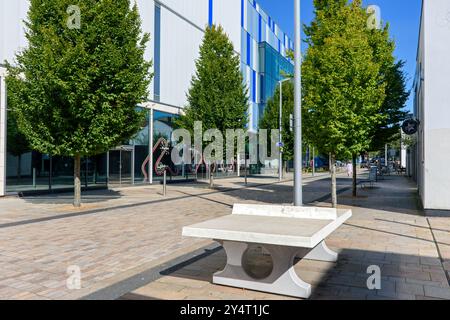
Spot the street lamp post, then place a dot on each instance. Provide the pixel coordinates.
(298, 196)
(280, 140)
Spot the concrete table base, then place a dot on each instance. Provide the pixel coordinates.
(283, 279)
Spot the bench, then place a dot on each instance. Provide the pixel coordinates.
(285, 232)
(373, 177)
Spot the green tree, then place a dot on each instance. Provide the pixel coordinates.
(217, 95)
(270, 118)
(343, 87)
(392, 109)
(75, 88)
(17, 143)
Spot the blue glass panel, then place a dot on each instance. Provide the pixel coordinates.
(259, 28)
(273, 66)
(210, 13)
(242, 13)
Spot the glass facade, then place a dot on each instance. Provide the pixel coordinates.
(263, 62)
(263, 56)
(41, 172)
(273, 68)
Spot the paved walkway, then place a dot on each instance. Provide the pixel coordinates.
(387, 230)
(128, 243)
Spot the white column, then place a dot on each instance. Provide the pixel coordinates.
(238, 164)
(2, 134)
(298, 147)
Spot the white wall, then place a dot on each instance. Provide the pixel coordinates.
(12, 35)
(436, 104)
(227, 13)
(180, 39)
(195, 11)
(180, 43)
(147, 12)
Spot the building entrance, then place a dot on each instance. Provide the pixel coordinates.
(121, 166)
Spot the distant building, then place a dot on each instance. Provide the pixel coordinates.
(176, 28)
(430, 157)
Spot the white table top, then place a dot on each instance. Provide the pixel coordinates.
(292, 232)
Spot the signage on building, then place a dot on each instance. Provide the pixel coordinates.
(410, 126)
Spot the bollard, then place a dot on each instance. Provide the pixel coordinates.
(34, 178)
(313, 163)
(165, 183)
(211, 179)
(245, 170)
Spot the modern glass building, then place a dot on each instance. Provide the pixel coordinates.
(176, 28)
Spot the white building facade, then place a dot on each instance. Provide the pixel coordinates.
(176, 28)
(431, 155)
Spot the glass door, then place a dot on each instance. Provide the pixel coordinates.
(121, 166)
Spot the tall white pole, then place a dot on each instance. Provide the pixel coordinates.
(150, 148)
(298, 196)
(313, 161)
(280, 140)
(386, 156)
(3, 126)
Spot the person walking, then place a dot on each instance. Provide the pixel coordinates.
(349, 169)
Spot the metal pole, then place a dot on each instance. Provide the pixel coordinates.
(120, 167)
(211, 177)
(298, 196)
(86, 168)
(3, 132)
(133, 159)
(34, 178)
(165, 183)
(314, 162)
(150, 149)
(107, 169)
(280, 169)
(386, 156)
(245, 169)
(238, 164)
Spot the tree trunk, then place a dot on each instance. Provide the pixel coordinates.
(333, 181)
(211, 176)
(19, 167)
(77, 182)
(354, 176)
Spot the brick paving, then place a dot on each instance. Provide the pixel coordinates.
(387, 230)
(122, 233)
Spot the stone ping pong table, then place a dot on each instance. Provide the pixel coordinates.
(285, 232)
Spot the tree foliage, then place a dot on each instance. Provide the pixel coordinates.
(343, 86)
(392, 109)
(217, 95)
(17, 143)
(74, 91)
(346, 74)
(270, 118)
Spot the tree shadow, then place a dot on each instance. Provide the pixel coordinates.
(66, 198)
(313, 191)
(393, 194)
(403, 277)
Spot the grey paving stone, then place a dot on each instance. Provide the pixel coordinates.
(437, 292)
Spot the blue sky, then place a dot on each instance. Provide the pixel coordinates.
(402, 15)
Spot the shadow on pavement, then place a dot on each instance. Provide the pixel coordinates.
(87, 197)
(403, 277)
